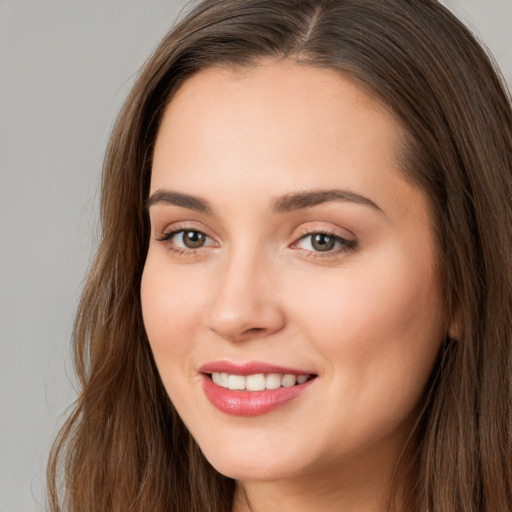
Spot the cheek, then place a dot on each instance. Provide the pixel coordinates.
(171, 309)
(379, 330)
(380, 324)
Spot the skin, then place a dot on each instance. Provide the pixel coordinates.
(367, 318)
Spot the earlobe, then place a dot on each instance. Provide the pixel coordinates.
(454, 330)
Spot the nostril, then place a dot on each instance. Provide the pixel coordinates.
(240, 319)
(253, 332)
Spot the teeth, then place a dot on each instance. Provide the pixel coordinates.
(236, 382)
(257, 382)
(273, 381)
(289, 381)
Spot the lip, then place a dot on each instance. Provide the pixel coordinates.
(250, 368)
(250, 403)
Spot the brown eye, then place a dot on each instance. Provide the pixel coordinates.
(321, 242)
(186, 239)
(193, 239)
(325, 243)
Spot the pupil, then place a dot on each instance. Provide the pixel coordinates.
(193, 239)
(323, 242)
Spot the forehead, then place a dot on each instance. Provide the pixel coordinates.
(268, 84)
(277, 128)
(282, 105)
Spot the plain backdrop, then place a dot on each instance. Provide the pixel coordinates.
(65, 68)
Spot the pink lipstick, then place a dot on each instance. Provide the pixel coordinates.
(253, 388)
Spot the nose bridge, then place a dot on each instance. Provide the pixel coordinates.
(244, 303)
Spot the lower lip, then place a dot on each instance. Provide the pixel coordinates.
(250, 403)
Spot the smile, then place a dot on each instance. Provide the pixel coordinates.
(258, 381)
(254, 388)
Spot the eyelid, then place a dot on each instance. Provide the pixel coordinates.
(347, 243)
(167, 235)
(184, 226)
(344, 243)
(330, 230)
(172, 230)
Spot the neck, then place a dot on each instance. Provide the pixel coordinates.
(330, 491)
(269, 498)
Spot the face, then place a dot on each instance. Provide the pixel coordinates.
(289, 295)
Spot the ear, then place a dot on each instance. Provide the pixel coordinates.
(455, 330)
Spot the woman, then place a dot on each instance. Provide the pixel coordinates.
(302, 297)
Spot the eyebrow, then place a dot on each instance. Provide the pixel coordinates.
(292, 202)
(178, 199)
(284, 204)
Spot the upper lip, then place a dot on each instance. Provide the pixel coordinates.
(249, 368)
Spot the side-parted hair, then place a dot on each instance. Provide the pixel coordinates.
(124, 448)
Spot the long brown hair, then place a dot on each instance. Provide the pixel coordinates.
(124, 448)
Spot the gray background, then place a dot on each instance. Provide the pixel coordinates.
(65, 67)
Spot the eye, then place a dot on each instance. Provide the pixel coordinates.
(185, 239)
(190, 239)
(324, 243)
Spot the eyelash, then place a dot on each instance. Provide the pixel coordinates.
(166, 238)
(344, 245)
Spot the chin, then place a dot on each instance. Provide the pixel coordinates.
(255, 465)
(246, 471)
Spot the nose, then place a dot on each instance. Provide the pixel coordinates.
(245, 303)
